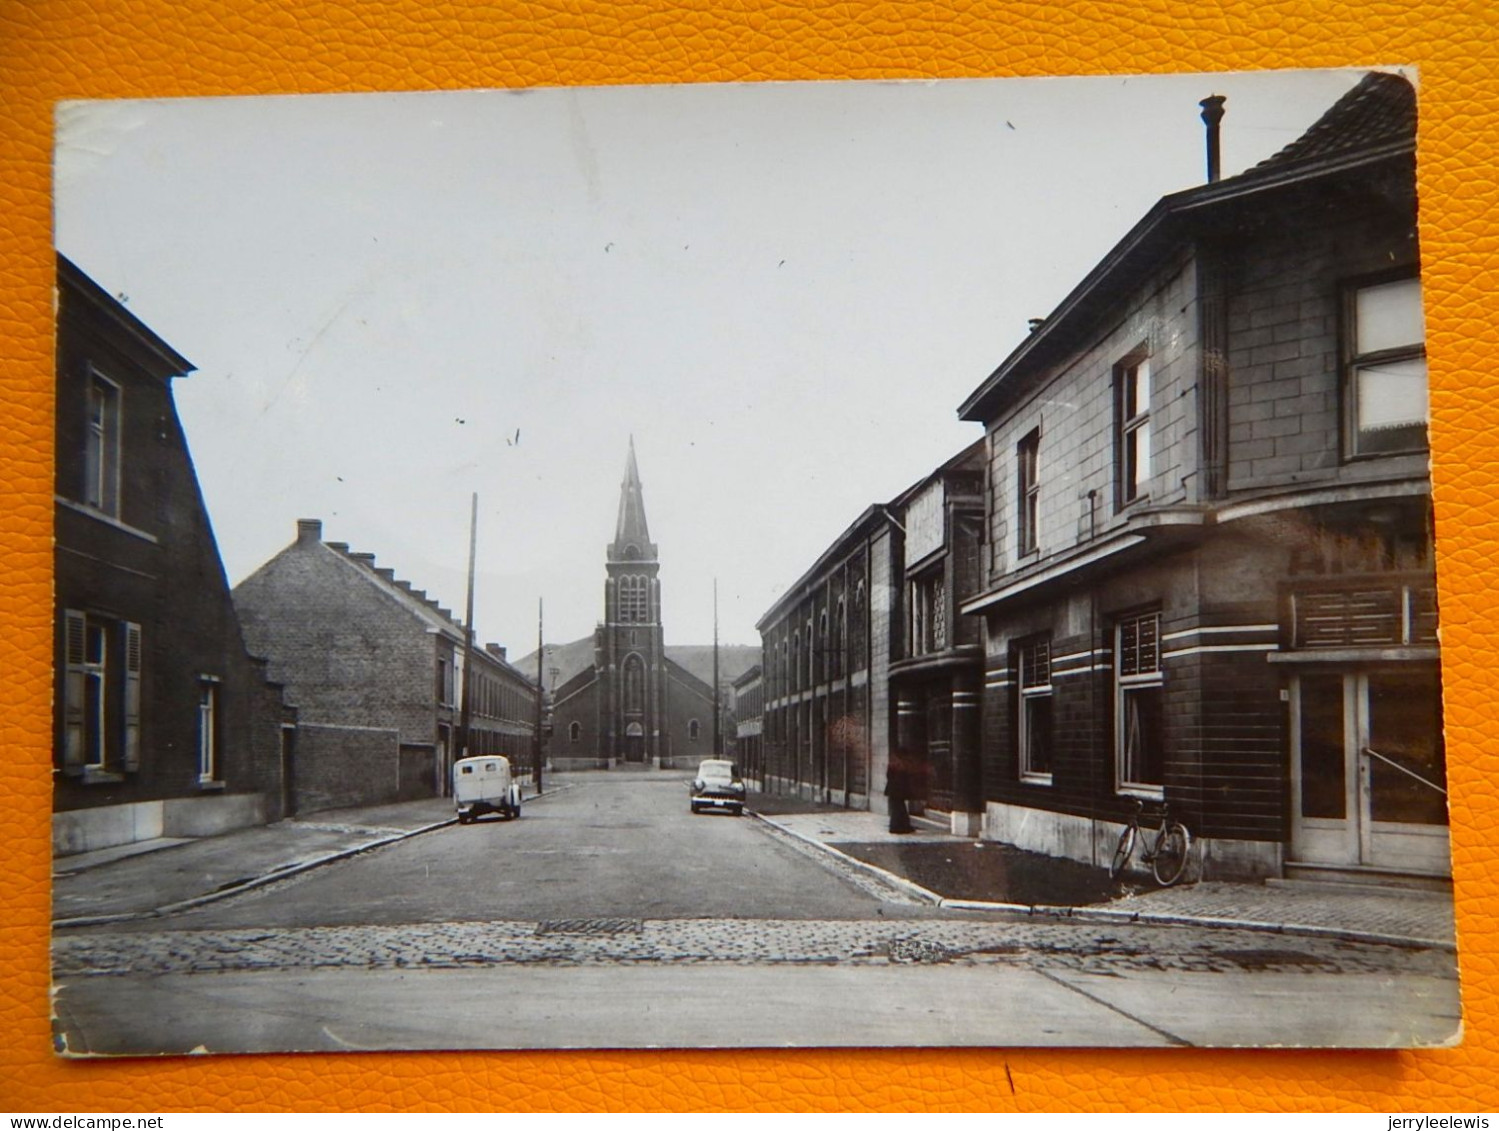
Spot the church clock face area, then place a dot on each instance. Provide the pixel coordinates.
(1032, 626)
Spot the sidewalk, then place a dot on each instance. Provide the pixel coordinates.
(161, 876)
(966, 874)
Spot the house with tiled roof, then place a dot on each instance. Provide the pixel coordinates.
(1208, 575)
(164, 725)
(377, 669)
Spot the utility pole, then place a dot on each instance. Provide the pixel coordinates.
(464, 715)
(717, 706)
(536, 742)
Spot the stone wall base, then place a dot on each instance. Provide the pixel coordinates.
(86, 830)
(1092, 842)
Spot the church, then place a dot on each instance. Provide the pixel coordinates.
(623, 697)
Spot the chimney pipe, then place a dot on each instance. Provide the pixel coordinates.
(309, 531)
(1212, 114)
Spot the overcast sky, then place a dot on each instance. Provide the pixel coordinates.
(783, 291)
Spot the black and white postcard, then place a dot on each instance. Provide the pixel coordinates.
(827, 564)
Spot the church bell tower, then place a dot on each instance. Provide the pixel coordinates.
(628, 645)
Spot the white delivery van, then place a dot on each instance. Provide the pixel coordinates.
(484, 785)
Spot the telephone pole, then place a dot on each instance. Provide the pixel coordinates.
(464, 715)
(536, 741)
(717, 706)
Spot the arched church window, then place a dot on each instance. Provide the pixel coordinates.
(574, 731)
(634, 684)
(692, 729)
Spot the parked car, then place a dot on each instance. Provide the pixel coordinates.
(718, 786)
(483, 785)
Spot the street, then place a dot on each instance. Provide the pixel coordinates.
(608, 916)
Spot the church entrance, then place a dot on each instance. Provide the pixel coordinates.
(634, 742)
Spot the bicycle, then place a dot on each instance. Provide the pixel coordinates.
(1167, 857)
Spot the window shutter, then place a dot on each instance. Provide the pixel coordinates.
(131, 751)
(75, 629)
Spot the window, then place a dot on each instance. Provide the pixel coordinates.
(101, 451)
(1027, 493)
(1132, 428)
(840, 637)
(208, 729)
(1033, 661)
(634, 684)
(929, 613)
(693, 729)
(1386, 368)
(444, 687)
(1139, 730)
(101, 695)
(574, 731)
(633, 600)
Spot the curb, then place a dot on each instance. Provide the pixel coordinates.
(1114, 915)
(286, 871)
(900, 882)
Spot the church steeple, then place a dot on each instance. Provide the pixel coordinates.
(632, 538)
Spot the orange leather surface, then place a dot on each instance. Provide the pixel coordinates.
(55, 49)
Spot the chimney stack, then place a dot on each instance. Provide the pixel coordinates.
(1212, 114)
(309, 531)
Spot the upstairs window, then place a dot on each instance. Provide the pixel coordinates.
(633, 599)
(1027, 493)
(1033, 664)
(1139, 697)
(101, 450)
(929, 613)
(1132, 428)
(1386, 344)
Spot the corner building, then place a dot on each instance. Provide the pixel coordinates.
(1209, 576)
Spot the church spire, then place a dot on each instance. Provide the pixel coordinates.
(632, 538)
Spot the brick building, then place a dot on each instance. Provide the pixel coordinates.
(376, 670)
(749, 706)
(164, 724)
(623, 696)
(827, 646)
(937, 671)
(866, 654)
(1209, 576)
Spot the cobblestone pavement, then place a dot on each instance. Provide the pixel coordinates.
(572, 942)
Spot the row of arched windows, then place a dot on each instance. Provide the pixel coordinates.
(818, 651)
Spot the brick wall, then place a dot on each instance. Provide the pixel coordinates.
(348, 652)
(344, 766)
(1284, 313)
(1073, 407)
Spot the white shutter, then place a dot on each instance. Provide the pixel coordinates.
(74, 691)
(130, 756)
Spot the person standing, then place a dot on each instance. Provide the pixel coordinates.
(898, 792)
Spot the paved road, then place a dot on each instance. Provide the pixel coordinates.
(608, 916)
(615, 845)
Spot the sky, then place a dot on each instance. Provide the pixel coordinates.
(781, 291)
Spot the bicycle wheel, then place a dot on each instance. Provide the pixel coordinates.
(1171, 849)
(1125, 848)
